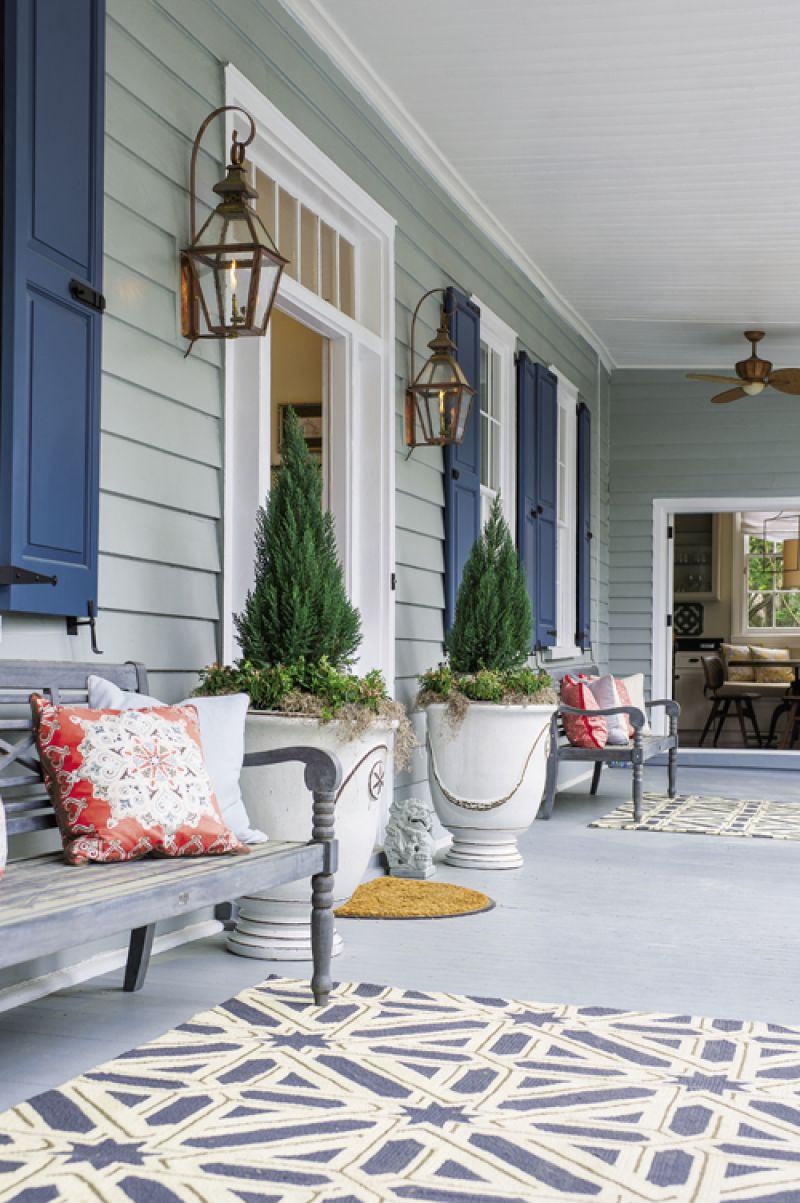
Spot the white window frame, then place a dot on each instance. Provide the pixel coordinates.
(502, 340)
(360, 392)
(567, 523)
(742, 631)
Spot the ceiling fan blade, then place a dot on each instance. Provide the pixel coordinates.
(732, 394)
(786, 380)
(705, 376)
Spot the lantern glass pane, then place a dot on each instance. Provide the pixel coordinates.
(268, 277)
(225, 284)
(437, 374)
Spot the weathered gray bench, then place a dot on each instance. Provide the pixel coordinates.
(635, 753)
(47, 905)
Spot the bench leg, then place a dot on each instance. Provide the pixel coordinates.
(638, 778)
(598, 768)
(672, 772)
(321, 936)
(139, 951)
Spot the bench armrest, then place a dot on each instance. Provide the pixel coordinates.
(635, 716)
(323, 776)
(672, 708)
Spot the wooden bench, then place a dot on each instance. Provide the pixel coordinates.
(47, 905)
(635, 753)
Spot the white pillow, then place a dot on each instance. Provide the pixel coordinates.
(604, 691)
(635, 687)
(221, 722)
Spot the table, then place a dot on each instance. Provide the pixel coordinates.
(792, 693)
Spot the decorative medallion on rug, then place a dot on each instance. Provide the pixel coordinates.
(704, 814)
(391, 1094)
(404, 898)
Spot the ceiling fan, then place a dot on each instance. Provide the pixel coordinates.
(753, 375)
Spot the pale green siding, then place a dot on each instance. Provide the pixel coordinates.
(667, 440)
(162, 414)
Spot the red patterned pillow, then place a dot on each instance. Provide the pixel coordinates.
(126, 783)
(585, 730)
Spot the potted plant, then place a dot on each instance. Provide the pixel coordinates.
(488, 713)
(299, 633)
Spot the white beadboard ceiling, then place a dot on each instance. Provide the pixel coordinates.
(643, 155)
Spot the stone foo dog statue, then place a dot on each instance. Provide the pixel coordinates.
(408, 842)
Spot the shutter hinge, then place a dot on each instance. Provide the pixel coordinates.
(669, 620)
(9, 575)
(670, 532)
(393, 580)
(90, 622)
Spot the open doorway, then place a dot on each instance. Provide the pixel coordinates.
(299, 379)
(726, 620)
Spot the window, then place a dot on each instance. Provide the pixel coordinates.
(566, 543)
(770, 605)
(498, 415)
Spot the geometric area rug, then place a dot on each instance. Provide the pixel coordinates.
(390, 1094)
(704, 814)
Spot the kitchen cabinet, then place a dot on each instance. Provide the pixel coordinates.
(697, 559)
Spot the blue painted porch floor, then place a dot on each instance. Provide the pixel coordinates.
(648, 921)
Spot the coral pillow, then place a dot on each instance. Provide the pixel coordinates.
(584, 730)
(609, 693)
(128, 783)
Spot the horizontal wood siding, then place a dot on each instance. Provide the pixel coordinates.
(668, 441)
(162, 414)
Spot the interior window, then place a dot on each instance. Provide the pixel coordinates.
(771, 579)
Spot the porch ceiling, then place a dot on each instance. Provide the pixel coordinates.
(644, 156)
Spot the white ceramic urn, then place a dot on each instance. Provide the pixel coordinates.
(487, 776)
(276, 925)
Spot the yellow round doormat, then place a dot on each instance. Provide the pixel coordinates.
(404, 898)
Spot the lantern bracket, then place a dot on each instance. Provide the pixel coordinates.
(237, 153)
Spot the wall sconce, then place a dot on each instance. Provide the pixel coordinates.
(231, 271)
(438, 401)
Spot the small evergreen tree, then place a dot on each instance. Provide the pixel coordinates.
(298, 609)
(493, 621)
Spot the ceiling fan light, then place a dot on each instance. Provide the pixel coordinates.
(754, 388)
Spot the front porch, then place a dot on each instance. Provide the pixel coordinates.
(638, 920)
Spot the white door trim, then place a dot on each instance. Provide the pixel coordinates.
(663, 509)
(362, 386)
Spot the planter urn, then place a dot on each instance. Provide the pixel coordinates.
(487, 775)
(276, 925)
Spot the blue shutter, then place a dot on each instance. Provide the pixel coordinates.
(53, 88)
(462, 461)
(537, 492)
(583, 579)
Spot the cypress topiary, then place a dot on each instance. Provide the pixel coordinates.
(298, 609)
(493, 622)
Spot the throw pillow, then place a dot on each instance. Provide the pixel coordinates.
(582, 730)
(222, 736)
(126, 783)
(607, 695)
(737, 651)
(634, 687)
(772, 655)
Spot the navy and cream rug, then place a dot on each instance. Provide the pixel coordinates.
(391, 1094)
(705, 814)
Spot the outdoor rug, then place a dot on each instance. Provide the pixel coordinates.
(704, 814)
(390, 1094)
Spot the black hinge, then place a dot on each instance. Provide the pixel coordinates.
(9, 575)
(87, 295)
(669, 620)
(670, 532)
(394, 580)
(90, 622)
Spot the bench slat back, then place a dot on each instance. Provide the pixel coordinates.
(22, 792)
